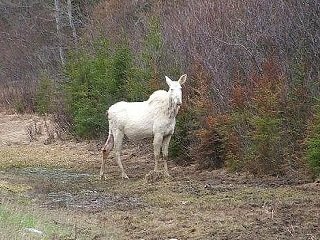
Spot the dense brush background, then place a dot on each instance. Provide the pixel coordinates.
(251, 99)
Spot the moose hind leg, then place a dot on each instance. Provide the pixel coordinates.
(165, 151)
(117, 147)
(105, 152)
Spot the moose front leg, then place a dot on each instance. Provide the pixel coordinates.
(165, 151)
(157, 143)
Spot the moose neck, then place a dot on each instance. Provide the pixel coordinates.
(173, 108)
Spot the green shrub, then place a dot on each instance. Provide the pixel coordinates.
(19, 106)
(313, 145)
(255, 132)
(45, 95)
(137, 86)
(265, 154)
(313, 154)
(121, 71)
(180, 142)
(255, 137)
(91, 89)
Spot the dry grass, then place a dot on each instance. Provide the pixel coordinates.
(57, 187)
(20, 221)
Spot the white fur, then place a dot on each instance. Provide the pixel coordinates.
(155, 118)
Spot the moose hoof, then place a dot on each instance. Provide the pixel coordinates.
(167, 175)
(124, 176)
(154, 176)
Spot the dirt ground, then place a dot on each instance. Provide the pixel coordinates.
(51, 190)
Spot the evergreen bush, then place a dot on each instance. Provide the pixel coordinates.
(95, 82)
(45, 94)
(313, 145)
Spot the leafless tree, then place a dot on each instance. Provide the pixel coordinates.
(71, 22)
(57, 6)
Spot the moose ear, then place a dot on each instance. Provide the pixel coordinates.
(182, 79)
(169, 81)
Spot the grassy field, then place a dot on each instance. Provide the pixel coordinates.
(53, 192)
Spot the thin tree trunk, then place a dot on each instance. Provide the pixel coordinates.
(73, 28)
(58, 27)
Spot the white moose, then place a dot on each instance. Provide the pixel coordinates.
(155, 118)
